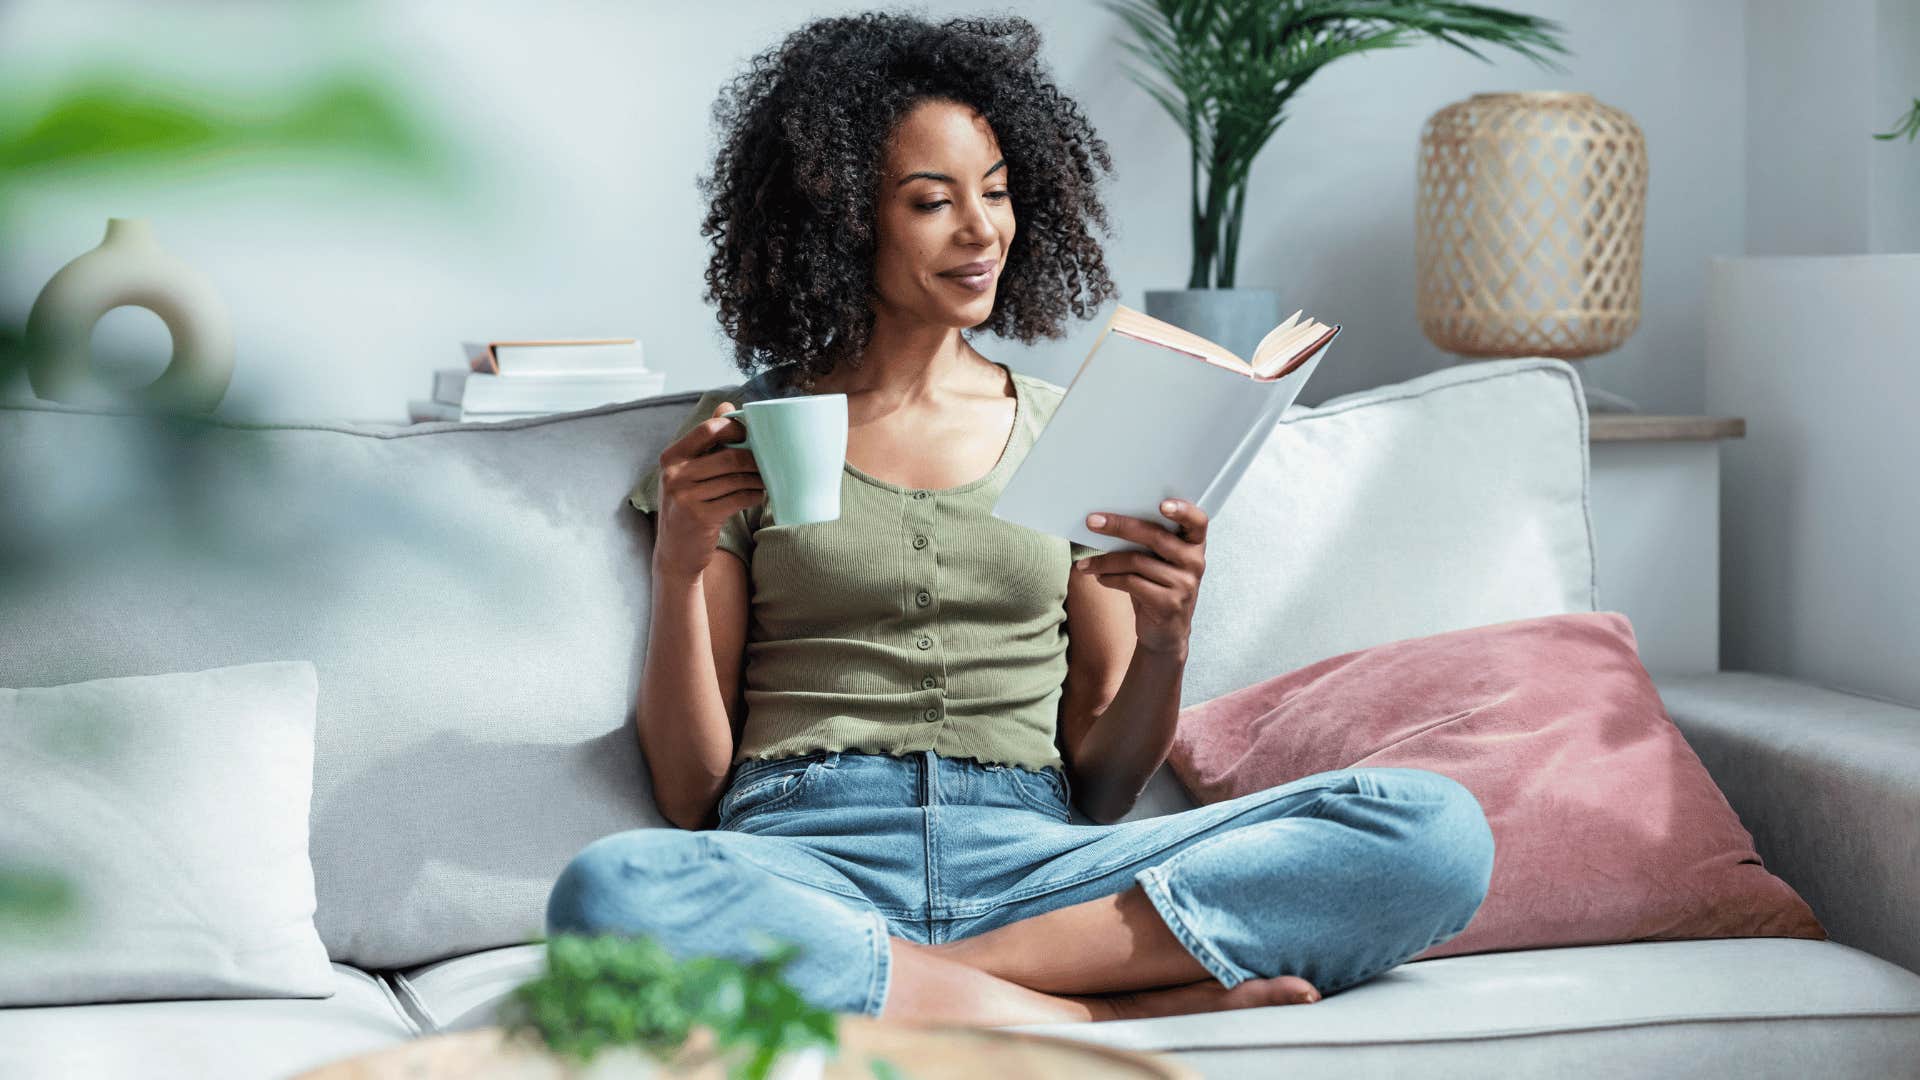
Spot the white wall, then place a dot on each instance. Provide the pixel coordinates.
(1820, 578)
(1812, 338)
(577, 129)
(1821, 80)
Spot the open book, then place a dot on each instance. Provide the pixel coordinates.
(1156, 412)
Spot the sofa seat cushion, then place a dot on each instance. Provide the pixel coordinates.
(1727, 1007)
(1739, 1008)
(237, 1038)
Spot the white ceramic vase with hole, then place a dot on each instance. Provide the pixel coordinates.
(130, 269)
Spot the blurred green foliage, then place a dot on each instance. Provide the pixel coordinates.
(607, 990)
(126, 127)
(129, 128)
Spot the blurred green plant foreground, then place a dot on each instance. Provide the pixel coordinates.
(127, 130)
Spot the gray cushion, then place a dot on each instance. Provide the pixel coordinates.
(474, 597)
(175, 807)
(1734, 1007)
(1829, 784)
(204, 1040)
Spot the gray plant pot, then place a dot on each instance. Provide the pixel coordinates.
(1235, 319)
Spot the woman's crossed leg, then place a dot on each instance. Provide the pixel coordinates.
(1332, 879)
(1268, 899)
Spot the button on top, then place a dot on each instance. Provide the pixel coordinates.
(919, 494)
(927, 683)
(924, 597)
(926, 643)
(919, 541)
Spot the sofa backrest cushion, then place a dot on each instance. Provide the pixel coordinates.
(474, 599)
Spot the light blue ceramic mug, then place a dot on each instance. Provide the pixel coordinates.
(799, 444)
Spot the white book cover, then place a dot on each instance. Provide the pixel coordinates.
(1142, 422)
(580, 356)
(481, 393)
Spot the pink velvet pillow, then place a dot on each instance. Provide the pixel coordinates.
(1606, 826)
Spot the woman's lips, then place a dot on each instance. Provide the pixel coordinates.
(980, 282)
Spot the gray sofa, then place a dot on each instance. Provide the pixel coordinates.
(474, 598)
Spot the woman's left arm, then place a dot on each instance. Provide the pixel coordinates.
(1114, 742)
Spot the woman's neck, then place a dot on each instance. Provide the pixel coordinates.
(902, 366)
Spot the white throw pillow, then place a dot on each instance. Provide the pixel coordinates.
(175, 807)
(1454, 499)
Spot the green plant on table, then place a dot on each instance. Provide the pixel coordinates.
(1226, 69)
(608, 990)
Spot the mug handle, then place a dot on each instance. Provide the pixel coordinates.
(740, 415)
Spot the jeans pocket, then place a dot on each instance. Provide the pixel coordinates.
(1044, 790)
(765, 786)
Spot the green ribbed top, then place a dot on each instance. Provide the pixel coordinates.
(915, 621)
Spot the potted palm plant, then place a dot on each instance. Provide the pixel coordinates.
(1225, 71)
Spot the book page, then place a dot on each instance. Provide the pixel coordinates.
(1279, 351)
(1141, 325)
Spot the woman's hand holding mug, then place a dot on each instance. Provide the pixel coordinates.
(702, 484)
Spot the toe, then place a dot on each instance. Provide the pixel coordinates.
(1283, 990)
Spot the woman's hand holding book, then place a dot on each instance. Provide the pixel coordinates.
(1164, 580)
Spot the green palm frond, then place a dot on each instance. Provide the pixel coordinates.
(1908, 125)
(1224, 70)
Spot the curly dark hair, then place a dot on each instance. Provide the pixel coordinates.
(793, 189)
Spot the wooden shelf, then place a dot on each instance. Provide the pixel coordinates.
(1645, 427)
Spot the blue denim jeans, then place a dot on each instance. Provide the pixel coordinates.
(1334, 877)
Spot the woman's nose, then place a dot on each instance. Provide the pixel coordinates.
(976, 223)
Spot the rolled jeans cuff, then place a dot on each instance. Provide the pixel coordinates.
(1159, 889)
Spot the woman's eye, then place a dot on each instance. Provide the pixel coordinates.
(930, 206)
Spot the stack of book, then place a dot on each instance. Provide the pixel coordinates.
(508, 380)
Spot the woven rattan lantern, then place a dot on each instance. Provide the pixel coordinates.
(1529, 217)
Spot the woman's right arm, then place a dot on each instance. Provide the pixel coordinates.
(690, 711)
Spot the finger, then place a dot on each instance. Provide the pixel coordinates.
(1145, 533)
(1144, 563)
(702, 436)
(719, 463)
(723, 429)
(1192, 519)
(1150, 593)
(721, 487)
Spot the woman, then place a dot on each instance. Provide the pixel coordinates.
(926, 688)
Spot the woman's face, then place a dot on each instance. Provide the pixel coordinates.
(943, 204)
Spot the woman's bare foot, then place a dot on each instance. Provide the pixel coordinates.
(929, 987)
(1204, 996)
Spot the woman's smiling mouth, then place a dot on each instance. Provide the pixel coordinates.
(978, 281)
